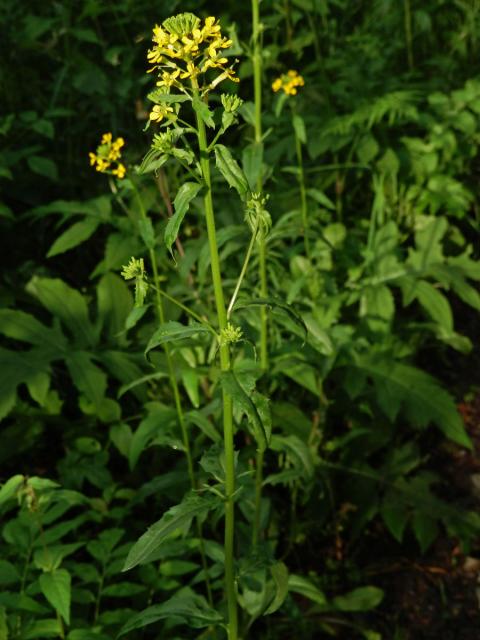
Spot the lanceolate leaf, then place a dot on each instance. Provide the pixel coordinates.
(279, 573)
(232, 386)
(173, 331)
(186, 607)
(185, 195)
(73, 236)
(230, 169)
(56, 588)
(277, 306)
(177, 517)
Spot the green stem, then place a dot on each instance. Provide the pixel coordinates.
(408, 32)
(242, 274)
(176, 393)
(262, 249)
(194, 315)
(303, 193)
(225, 366)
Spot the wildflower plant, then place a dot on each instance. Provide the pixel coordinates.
(189, 59)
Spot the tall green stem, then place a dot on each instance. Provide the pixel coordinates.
(176, 393)
(262, 263)
(225, 366)
(303, 193)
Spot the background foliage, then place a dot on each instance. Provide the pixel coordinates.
(368, 360)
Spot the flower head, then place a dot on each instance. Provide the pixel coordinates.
(183, 49)
(288, 82)
(107, 156)
(135, 269)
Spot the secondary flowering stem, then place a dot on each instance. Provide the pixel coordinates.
(225, 366)
(262, 250)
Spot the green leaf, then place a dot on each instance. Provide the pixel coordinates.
(23, 326)
(10, 488)
(159, 97)
(3, 624)
(395, 515)
(87, 377)
(434, 303)
(203, 111)
(293, 445)
(115, 304)
(123, 590)
(278, 307)
(73, 236)
(252, 161)
(279, 573)
(361, 599)
(299, 127)
(425, 529)
(44, 167)
(66, 303)
(56, 587)
(8, 572)
(232, 387)
(181, 204)
(147, 232)
(419, 395)
(50, 628)
(185, 607)
(175, 518)
(230, 170)
(173, 331)
(306, 588)
(158, 420)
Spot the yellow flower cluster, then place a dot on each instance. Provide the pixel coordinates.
(106, 159)
(289, 83)
(183, 49)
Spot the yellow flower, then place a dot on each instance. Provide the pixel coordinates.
(108, 152)
(288, 82)
(168, 79)
(120, 171)
(159, 112)
(182, 37)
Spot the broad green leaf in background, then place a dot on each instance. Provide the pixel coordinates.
(73, 236)
(66, 303)
(56, 587)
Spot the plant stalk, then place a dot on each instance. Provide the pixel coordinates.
(176, 393)
(257, 90)
(303, 193)
(228, 431)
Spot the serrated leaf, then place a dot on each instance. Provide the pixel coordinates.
(175, 518)
(73, 236)
(56, 587)
(201, 108)
(276, 306)
(181, 204)
(23, 326)
(401, 386)
(87, 377)
(230, 169)
(187, 607)
(233, 388)
(173, 331)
